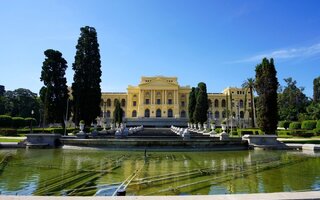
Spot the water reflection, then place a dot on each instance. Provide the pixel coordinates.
(90, 172)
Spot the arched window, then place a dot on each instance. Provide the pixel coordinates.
(216, 103)
(108, 102)
(217, 115)
(158, 113)
(108, 114)
(134, 113)
(241, 103)
(115, 102)
(241, 114)
(123, 102)
(224, 114)
(209, 103)
(170, 113)
(183, 114)
(223, 103)
(147, 113)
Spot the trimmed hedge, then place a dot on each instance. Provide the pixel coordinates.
(45, 130)
(318, 124)
(309, 124)
(28, 121)
(295, 125)
(284, 124)
(5, 121)
(302, 133)
(8, 132)
(18, 122)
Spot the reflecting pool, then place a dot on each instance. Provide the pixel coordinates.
(101, 172)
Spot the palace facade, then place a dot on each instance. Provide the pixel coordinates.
(161, 100)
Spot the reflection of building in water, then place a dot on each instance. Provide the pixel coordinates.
(161, 99)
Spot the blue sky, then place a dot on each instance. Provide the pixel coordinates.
(217, 42)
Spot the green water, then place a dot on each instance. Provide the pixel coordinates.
(100, 172)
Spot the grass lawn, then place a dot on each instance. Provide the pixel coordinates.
(3, 139)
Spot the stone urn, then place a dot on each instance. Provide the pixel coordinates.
(205, 126)
(104, 126)
(223, 127)
(81, 126)
(81, 134)
(200, 126)
(212, 126)
(111, 126)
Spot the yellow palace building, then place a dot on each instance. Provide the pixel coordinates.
(161, 101)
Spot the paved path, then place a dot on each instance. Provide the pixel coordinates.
(260, 196)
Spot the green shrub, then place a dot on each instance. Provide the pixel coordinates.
(5, 121)
(316, 131)
(295, 125)
(284, 124)
(8, 132)
(302, 133)
(309, 124)
(18, 122)
(246, 132)
(218, 130)
(318, 124)
(28, 121)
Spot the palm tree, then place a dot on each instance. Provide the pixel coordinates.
(250, 84)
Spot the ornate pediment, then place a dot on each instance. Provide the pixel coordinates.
(158, 82)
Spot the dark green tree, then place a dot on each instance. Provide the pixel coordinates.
(266, 87)
(117, 112)
(192, 104)
(86, 89)
(249, 85)
(316, 90)
(201, 108)
(313, 111)
(54, 94)
(20, 103)
(291, 101)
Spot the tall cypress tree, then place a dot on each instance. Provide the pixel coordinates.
(266, 87)
(117, 114)
(86, 89)
(192, 104)
(316, 90)
(201, 108)
(54, 93)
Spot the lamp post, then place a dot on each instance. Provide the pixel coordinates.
(32, 112)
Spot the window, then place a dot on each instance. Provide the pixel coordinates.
(182, 103)
(134, 103)
(224, 114)
(158, 101)
(217, 115)
(123, 102)
(223, 103)
(158, 113)
(170, 113)
(109, 102)
(169, 101)
(216, 103)
(147, 113)
(183, 95)
(241, 103)
(134, 113)
(108, 114)
(241, 114)
(183, 114)
(147, 101)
